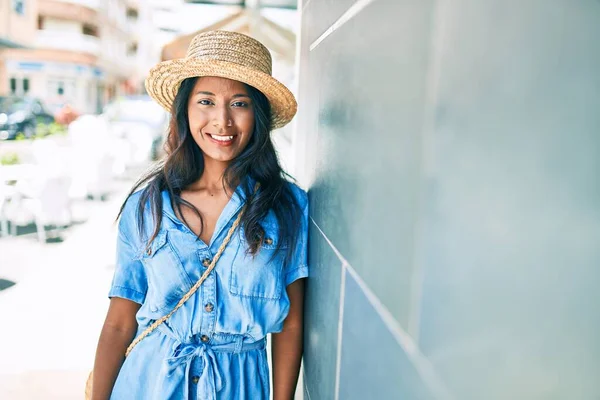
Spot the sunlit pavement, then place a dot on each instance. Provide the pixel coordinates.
(50, 319)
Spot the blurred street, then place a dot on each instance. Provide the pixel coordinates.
(52, 315)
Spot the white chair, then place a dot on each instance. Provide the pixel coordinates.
(48, 205)
(4, 197)
(43, 196)
(8, 193)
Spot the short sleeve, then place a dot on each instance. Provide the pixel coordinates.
(298, 267)
(129, 280)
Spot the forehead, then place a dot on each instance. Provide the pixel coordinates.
(219, 86)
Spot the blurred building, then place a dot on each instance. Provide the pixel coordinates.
(78, 52)
(166, 19)
(173, 18)
(12, 16)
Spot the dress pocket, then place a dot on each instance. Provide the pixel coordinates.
(167, 279)
(258, 276)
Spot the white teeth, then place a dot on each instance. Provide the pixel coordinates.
(222, 138)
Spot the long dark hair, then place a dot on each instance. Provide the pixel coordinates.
(184, 165)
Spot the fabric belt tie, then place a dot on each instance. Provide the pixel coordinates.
(173, 381)
(211, 380)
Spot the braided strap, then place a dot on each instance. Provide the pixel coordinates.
(90, 381)
(194, 288)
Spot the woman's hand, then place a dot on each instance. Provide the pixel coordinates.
(287, 346)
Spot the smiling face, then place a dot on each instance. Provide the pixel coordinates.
(221, 117)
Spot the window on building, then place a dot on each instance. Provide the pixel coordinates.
(13, 86)
(89, 30)
(25, 85)
(41, 23)
(132, 49)
(19, 6)
(132, 14)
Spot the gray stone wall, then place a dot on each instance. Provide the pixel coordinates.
(452, 151)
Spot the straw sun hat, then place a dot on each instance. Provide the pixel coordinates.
(227, 55)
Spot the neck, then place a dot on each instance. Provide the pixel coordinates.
(212, 176)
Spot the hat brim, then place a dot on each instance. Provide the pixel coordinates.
(165, 78)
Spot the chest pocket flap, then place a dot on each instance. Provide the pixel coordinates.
(167, 280)
(258, 276)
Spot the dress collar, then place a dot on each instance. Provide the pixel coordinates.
(231, 209)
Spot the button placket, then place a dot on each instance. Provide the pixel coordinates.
(208, 300)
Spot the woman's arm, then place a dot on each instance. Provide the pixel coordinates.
(117, 333)
(287, 346)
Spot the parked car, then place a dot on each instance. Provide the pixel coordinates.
(141, 122)
(21, 115)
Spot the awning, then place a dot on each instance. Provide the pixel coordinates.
(277, 39)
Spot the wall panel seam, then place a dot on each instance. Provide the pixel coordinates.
(406, 342)
(306, 390)
(304, 5)
(335, 250)
(350, 13)
(338, 361)
(344, 262)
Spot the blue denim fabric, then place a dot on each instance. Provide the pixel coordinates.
(247, 295)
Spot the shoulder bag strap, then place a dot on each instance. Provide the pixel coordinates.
(194, 288)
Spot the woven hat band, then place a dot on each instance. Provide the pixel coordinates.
(233, 48)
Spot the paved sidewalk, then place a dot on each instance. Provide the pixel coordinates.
(51, 318)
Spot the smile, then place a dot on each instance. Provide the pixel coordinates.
(221, 140)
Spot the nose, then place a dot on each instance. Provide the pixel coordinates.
(222, 118)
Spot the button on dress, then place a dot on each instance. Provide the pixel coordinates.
(214, 346)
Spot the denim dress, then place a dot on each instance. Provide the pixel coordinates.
(214, 347)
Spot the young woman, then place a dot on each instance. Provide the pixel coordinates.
(219, 200)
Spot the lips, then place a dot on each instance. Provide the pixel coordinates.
(222, 140)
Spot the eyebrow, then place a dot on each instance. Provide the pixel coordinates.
(212, 94)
